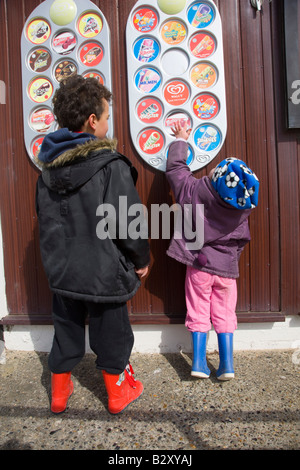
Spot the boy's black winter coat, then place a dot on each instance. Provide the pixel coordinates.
(69, 191)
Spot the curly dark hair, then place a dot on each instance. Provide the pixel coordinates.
(76, 99)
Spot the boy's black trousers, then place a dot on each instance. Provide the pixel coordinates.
(110, 334)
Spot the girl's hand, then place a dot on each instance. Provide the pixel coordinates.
(181, 132)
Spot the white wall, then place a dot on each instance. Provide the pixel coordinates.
(170, 338)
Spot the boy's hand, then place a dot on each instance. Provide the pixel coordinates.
(142, 272)
(181, 132)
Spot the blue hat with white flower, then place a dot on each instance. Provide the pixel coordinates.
(236, 184)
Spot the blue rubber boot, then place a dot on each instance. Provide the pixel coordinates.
(199, 365)
(225, 371)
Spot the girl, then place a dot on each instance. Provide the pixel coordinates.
(228, 195)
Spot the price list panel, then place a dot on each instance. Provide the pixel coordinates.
(60, 38)
(175, 70)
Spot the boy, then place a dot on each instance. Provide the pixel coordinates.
(88, 274)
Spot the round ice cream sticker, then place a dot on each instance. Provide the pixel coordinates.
(206, 106)
(203, 75)
(39, 60)
(149, 110)
(65, 69)
(41, 119)
(201, 15)
(64, 42)
(189, 155)
(145, 20)
(174, 118)
(40, 90)
(176, 93)
(96, 75)
(151, 141)
(202, 45)
(147, 80)
(38, 31)
(91, 54)
(36, 145)
(146, 49)
(207, 138)
(89, 25)
(173, 32)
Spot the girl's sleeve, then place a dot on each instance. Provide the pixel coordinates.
(178, 173)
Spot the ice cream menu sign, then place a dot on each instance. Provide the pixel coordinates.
(176, 73)
(59, 39)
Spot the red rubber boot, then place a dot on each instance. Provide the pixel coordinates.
(122, 389)
(61, 389)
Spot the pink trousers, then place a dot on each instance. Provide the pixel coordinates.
(210, 299)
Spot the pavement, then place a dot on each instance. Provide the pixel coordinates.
(177, 414)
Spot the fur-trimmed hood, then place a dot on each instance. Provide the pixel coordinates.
(62, 147)
(69, 159)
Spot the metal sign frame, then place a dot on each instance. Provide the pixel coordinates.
(49, 51)
(164, 49)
